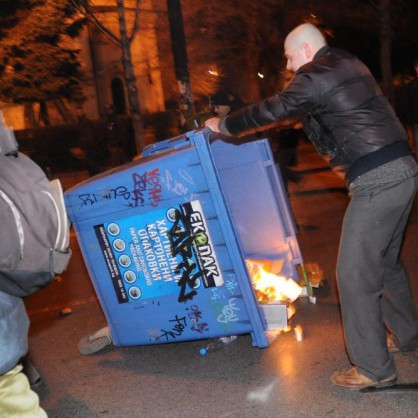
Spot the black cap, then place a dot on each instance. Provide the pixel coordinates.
(222, 98)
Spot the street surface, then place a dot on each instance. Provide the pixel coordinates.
(287, 379)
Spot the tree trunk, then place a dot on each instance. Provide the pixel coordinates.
(130, 79)
(178, 46)
(30, 122)
(62, 109)
(386, 48)
(43, 113)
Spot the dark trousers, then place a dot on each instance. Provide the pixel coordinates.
(372, 282)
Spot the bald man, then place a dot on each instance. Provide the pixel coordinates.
(355, 129)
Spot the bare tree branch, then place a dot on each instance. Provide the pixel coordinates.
(86, 10)
(136, 21)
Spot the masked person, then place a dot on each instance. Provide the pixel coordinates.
(354, 127)
(224, 103)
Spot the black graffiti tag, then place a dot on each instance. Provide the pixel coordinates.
(140, 186)
(176, 330)
(89, 199)
(181, 239)
(187, 280)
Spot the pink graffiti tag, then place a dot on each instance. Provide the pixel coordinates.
(195, 317)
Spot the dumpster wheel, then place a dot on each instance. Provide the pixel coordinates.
(94, 342)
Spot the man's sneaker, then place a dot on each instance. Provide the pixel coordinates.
(352, 379)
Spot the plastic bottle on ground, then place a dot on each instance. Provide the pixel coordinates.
(215, 344)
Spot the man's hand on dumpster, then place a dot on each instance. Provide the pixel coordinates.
(213, 124)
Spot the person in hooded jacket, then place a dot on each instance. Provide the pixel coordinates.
(34, 247)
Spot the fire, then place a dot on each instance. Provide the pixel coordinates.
(271, 287)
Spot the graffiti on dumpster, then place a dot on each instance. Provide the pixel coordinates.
(189, 233)
(232, 285)
(217, 309)
(89, 199)
(179, 323)
(181, 240)
(217, 294)
(179, 187)
(146, 190)
(195, 317)
(146, 185)
(177, 327)
(229, 312)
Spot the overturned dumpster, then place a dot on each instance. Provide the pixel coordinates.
(166, 238)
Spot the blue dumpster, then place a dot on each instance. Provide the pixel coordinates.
(165, 239)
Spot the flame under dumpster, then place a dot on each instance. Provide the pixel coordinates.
(166, 240)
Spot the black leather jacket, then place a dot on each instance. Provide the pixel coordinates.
(343, 111)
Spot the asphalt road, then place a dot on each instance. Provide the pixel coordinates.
(290, 378)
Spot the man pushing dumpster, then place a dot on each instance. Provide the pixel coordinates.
(353, 126)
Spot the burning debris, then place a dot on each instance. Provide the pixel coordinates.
(277, 293)
(270, 287)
